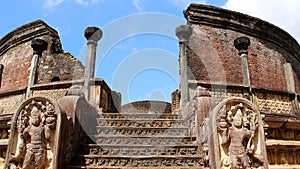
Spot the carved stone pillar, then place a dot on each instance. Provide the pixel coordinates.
(38, 46)
(93, 35)
(242, 44)
(202, 104)
(183, 32)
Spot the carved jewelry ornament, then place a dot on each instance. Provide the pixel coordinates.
(238, 136)
(34, 137)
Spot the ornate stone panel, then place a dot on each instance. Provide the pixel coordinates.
(34, 140)
(284, 156)
(93, 161)
(124, 140)
(274, 103)
(9, 103)
(221, 93)
(236, 136)
(140, 150)
(55, 93)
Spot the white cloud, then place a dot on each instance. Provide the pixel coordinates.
(186, 3)
(87, 2)
(137, 4)
(82, 2)
(50, 4)
(284, 14)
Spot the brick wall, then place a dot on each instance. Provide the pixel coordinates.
(16, 64)
(16, 55)
(213, 58)
(59, 67)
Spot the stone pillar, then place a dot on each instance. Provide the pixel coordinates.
(183, 32)
(93, 35)
(290, 83)
(241, 44)
(289, 77)
(38, 46)
(1, 72)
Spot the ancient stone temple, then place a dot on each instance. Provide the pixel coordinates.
(237, 106)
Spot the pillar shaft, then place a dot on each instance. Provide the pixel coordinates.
(245, 69)
(242, 44)
(38, 47)
(93, 35)
(183, 32)
(183, 76)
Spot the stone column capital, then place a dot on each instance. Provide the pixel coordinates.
(93, 34)
(38, 46)
(242, 44)
(183, 32)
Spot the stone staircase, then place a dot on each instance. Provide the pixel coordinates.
(138, 141)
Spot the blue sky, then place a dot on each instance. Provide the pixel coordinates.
(139, 56)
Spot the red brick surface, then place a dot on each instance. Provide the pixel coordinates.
(17, 62)
(213, 58)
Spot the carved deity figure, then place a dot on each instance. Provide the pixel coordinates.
(37, 135)
(237, 151)
(237, 132)
(36, 124)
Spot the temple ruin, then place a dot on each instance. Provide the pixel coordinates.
(237, 106)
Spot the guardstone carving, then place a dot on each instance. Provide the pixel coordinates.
(237, 140)
(33, 135)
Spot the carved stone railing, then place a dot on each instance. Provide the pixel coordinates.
(196, 112)
(81, 118)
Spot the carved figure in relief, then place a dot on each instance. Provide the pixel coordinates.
(35, 126)
(39, 135)
(237, 128)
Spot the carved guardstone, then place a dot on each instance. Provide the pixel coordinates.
(34, 141)
(236, 136)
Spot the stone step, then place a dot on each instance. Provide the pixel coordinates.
(137, 116)
(142, 131)
(142, 122)
(143, 140)
(118, 167)
(104, 161)
(139, 150)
